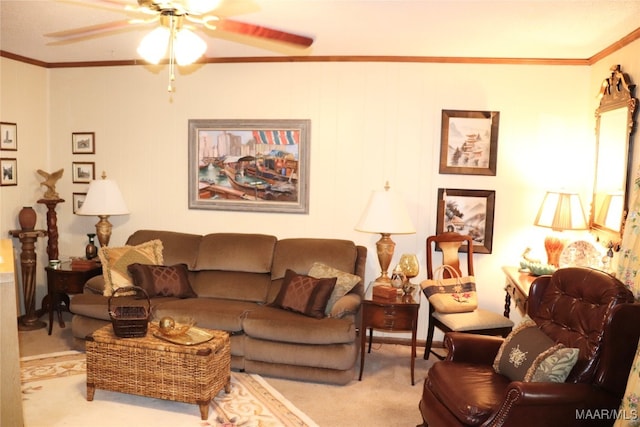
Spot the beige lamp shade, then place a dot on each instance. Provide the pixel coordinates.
(561, 211)
(386, 213)
(103, 198)
(611, 210)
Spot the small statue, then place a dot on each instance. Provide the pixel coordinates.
(50, 183)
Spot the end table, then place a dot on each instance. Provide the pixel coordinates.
(61, 282)
(390, 315)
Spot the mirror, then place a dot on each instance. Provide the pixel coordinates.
(614, 124)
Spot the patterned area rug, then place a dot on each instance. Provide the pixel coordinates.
(54, 394)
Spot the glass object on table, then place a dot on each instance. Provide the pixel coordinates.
(410, 267)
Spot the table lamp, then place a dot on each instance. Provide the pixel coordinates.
(559, 211)
(386, 213)
(611, 211)
(103, 200)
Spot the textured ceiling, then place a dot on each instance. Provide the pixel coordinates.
(565, 29)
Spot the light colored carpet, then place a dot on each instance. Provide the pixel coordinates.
(54, 394)
(384, 397)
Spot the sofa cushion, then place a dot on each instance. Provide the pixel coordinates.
(304, 294)
(116, 260)
(300, 254)
(527, 354)
(177, 248)
(235, 285)
(210, 313)
(274, 324)
(252, 253)
(344, 283)
(162, 280)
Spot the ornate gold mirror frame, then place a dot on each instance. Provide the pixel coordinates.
(614, 126)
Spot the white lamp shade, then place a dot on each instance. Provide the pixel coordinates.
(103, 198)
(561, 211)
(188, 47)
(386, 212)
(153, 46)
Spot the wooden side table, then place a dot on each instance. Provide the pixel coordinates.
(60, 283)
(390, 315)
(517, 289)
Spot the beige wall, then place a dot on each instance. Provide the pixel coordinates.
(371, 122)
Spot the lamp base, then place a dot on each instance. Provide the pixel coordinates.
(554, 245)
(384, 248)
(103, 230)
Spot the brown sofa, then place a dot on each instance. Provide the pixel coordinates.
(236, 277)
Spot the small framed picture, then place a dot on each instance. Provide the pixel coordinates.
(78, 200)
(9, 172)
(83, 172)
(8, 136)
(469, 142)
(83, 143)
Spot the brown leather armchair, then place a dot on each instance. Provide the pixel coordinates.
(578, 307)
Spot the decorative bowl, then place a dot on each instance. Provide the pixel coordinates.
(175, 326)
(538, 269)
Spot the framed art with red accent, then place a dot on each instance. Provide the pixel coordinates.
(249, 165)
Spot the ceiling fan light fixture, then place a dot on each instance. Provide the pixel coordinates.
(188, 47)
(153, 46)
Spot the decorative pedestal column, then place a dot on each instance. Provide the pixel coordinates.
(52, 226)
(29, 321)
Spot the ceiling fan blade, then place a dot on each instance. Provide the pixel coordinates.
(259, 31)
(98, 28)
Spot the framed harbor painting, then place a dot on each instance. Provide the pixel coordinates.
(469, 142)
(467, 212)
(249, 165)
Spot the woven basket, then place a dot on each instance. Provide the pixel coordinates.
(129, 321)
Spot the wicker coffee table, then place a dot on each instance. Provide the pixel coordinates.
(152, 367)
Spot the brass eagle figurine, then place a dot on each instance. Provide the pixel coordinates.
(50, 183)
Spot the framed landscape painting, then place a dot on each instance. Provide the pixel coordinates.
(249, 165)
(469, 142)
(467, 212)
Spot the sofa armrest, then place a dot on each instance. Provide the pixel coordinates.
(348, 304)
(95, 285)
(472, 348)
(548, 404)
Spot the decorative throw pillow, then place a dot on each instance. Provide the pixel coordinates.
(529, 355)
(116, 260)
(304, 294)
(344, 283)
(162, 280)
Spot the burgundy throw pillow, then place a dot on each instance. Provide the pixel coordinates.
(305, 294)
(162, 280)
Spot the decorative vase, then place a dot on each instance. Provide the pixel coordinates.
(91, 251)
(410, 267)
(27, 218)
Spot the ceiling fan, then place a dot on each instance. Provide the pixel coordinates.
(177, 19)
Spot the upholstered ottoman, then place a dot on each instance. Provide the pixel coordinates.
(152, 367)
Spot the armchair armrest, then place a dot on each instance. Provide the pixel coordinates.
(550, 404)
(472, 348)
